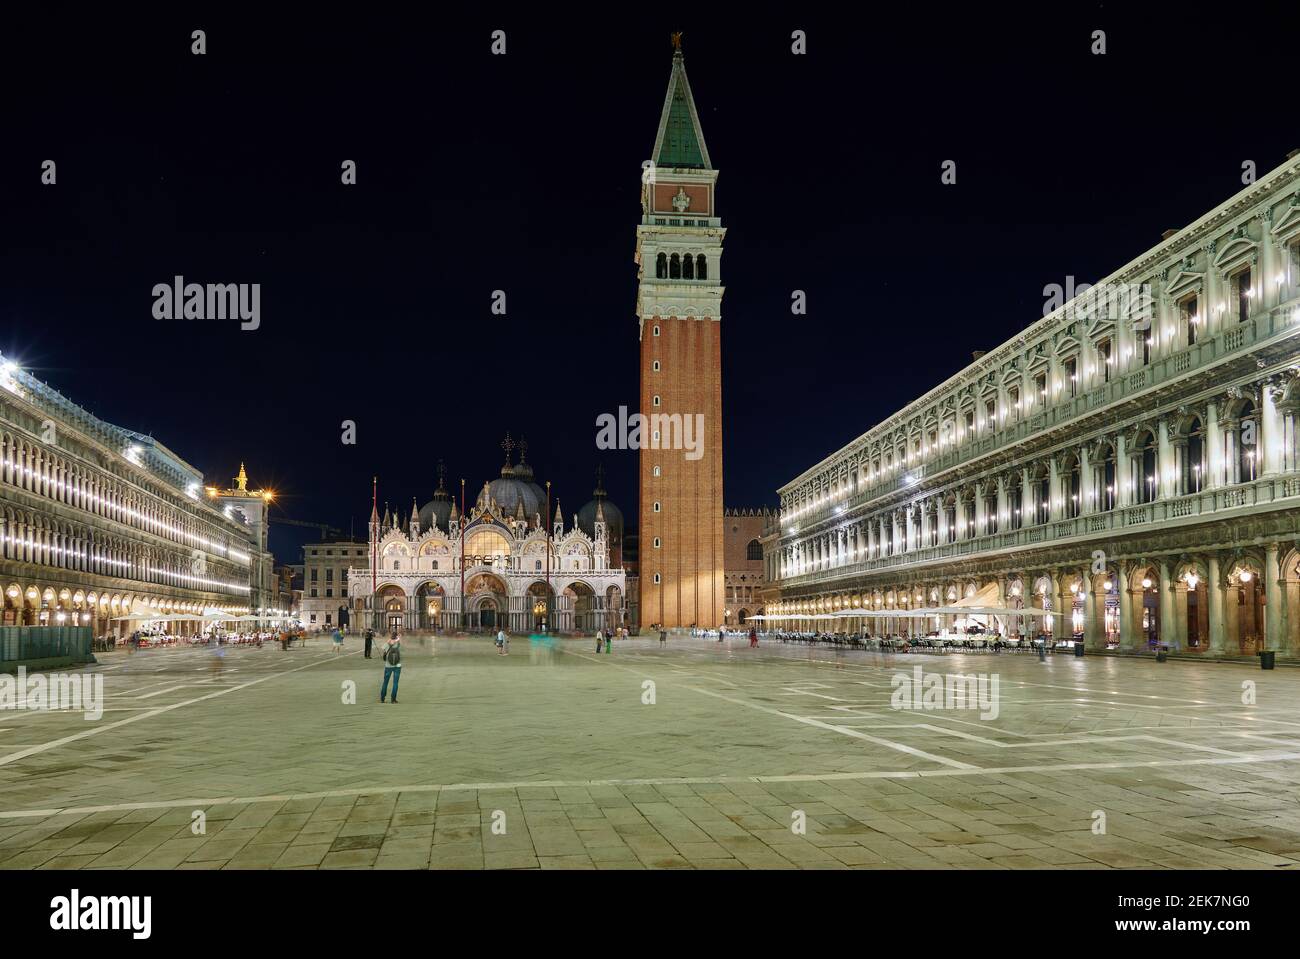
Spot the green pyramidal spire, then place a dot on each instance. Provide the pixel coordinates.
(680, 142)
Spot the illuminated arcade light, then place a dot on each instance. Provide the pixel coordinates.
(8, 370)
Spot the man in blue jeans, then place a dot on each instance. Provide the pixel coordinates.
(392, 656)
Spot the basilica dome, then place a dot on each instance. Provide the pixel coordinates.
(613, 515)
(515, 485)
(436, 511)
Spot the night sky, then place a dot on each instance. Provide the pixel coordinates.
(521, 173)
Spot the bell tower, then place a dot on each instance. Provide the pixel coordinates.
(679, 300)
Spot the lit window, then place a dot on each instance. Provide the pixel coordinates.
(1241, 292)
(1187, 310)
(658, 471)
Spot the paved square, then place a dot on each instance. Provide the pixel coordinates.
(552, 758)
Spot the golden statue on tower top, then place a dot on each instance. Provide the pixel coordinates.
(241, 481)
(677, 41)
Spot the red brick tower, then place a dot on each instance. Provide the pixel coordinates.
(679, 299)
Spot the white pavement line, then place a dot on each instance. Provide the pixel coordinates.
(97, 729)
(171, 689)
(1265, 737)
(791, 691)
(1094, 739)
(1183, 745)
(920, 754)
(843, 731)
(682, 781)
(896, 667)
(159, 692)
(141, 689)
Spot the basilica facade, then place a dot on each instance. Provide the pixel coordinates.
(1129, 462)
(500, 563)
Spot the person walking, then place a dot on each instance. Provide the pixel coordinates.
(753, 637)
(338, 640)
(501, 641)
(370, 638)
(392, 657)
(600, 640)
(663, 635)
(609, 638)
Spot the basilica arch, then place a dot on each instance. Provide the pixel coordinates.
(487, 601)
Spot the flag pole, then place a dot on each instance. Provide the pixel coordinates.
(546, 523)
(462, 553)
(374, 555)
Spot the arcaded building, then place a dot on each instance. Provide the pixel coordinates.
(1129, 461)
(107, 528)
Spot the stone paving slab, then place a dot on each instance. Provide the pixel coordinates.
(554, 758)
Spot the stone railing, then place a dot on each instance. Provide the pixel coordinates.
(1160, 372)
(1265, 493)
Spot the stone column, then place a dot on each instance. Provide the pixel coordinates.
(1269, 441)
(1094, 614)
(1123, 473)
(1087, 483)
(1231, 450)
(1274, 615)
(1267, 265)
(1165, 477)
(1063, 603)
(1130, 610)
(1213, 475)
(1168, 620)
(1054, 494)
